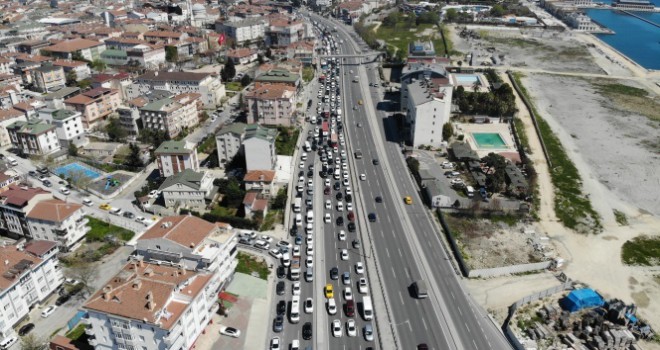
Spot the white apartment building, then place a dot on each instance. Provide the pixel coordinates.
(68, 125)
(171, 114)
(209, 87)
(229, 141)
(147, 56)
(58, 221)
(580, 21)
(241, 32)
(34, 137)
(428, 109)
(259, 148)
(272, 104)
(176, 156)
(283, 32)
(187, 189)
(15, 203)
(28, 275)
(167, 294)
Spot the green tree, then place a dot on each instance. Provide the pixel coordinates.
(73, 150)
(232, 191)
(495, 173)
(153, 137)
(98, 65)
(134, 158)
(171, 54)
(230, 70)
(280, 200)
(497, 10)
(84, 84)
(241, 102)
(447, 131)
(115, 131)
(84, 272)
(32, 342)
(71, 78)
(246, 80)
(392, 19)
(451, 15)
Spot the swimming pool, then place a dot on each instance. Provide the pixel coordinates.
(488, 140)
(76, 169)
(467, 79)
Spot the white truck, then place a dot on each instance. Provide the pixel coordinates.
(294, 269)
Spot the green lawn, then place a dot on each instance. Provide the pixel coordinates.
(402, 34)
(248, 264)
(233, 86)
(642, 250)
(77, 332)
(274, 216)
(223, 211)
(207, 146)
(101, 229)
(286, 141)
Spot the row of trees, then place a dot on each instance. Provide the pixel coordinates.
(498, 102)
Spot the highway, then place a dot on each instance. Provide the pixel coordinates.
(406, 240)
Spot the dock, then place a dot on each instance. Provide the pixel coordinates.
(640, 18)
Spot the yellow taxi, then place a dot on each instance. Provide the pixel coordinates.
(407, 200)
(360, 102)
(329, 293)
(105, 206)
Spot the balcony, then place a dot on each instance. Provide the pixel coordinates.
(82, 221)
(61, 232)
(86, 321)
(93, 342)
(171, 339)
(89, 331)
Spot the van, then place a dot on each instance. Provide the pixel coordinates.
(8, 342)
(12, 162)
(419, 287)
(310, 216)
(298, 219)
(303, 157)
(337, 174)
(286, 260)
(367, 309)
(469, 190)
(296, 204)
(294, 312)
(308, 147)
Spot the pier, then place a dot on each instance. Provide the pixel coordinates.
(640, 18)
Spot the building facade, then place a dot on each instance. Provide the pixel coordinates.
(58, 221)
(95, 105)
(272, 105)
(176, 156)
(68, 126)
(34, 137)
(76, 48)
(187, 189)
(259, 148)
(172, 114)
(229, 141)
(48, 78)
(242, 32)
(428, 109)
(209, 87)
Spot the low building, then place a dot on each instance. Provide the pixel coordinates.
(259, 148)
(247, 31)
(58, 221)
(262, 181)
(29, 275)
(15, 203)
(242, 55)
(580, 21)
(48, 78)
(171, 114)
(282, 32)
(188, 189)
(278, 76)
(210, 88)
(95, 105)
(255, 202)
(80, 68)
(76, 48)
(176, 156)
(34, 137)
(68, 126)
(229, 141)
(272, 105)
(55, 99)
(147, 56)
(8, 180)
(515, 179)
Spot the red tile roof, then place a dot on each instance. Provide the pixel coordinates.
(186, 230)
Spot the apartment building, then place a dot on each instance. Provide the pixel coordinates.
(242, 55)
(259, 148)
(176, 156)
(68, 125)
(272, 105)
(262, 181)
(210, 88)
(72, 49)
(171, 114)
(58, 221)
(162, 36)
(243, 32)
(15, 203)
(34, 137)
(129, 119)
(95, 105)
(188, 189)
(229, 141)
(147, 56)
(80, 68)
(283, 32)
(48, 78)
(280, 76)
(428, 109)
(30, 273)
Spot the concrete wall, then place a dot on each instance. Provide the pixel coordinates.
(507, 270)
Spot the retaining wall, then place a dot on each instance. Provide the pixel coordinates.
(507, 270)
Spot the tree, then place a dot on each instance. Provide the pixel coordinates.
(171, 54)
(71, 78)
(32, 342)
(495, 172)
(497, 10)
(447, 131)
(115, 131)
(451, 15)
(246, 80)
(73, 150)
(153, 137)
(84, 272)
(79, 179)
(476, 86)
(230, 69)
(241, 102)
(280, 200)
(134, 158)
(232, 191)
(98, 65)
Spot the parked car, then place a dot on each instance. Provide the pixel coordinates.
(25, 329)
(48, 311)
(65, 191)
(230, 331)
(88, 202)
(115, 211)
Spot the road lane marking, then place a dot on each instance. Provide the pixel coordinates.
(393, 272)
(424, 323)
(400, 254)
(466, 327)
(387, 251)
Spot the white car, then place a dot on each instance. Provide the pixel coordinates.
(296, 251)
(336, 329)
(48, 311)
(153, 194)
(349, 205)
(340, 206)
(309, 240)
(345, 182)
(65, 191)
(302, 165)
(268, 239)
(275, 253)
(328, 204)
(363, 177)
(230, 331)
(310, 250)
(359, 268)
(309, 305)
(344, 254)
(344, 166)
(349, 191)
(115, 211)
(342, 235)
(327, 182)
(350, 328)
(296, 288)
(140, 219)
(327, 218)
(348, 294)
(275, 343)
(362, 286)
(88, 202)
(332, 306)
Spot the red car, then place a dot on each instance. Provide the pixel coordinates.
(350, 308)
(326, 191)
(351, 216)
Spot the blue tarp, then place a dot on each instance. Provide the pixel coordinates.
(580, 299)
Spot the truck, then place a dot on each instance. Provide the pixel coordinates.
(294, 269)
(325, 128)
(333, 139)
(358, 154)
(355, 79)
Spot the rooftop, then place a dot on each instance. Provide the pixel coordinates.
(260, 132)
(16, 263)
(32, 127)
(233, 128)
(74, 45)
(187, 177)
(278, 75)
(172, 76)
(19, 196)
(173, 147)
(186, 230)
(53, 210)
(259, 175)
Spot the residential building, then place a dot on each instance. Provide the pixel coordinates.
(427, 110)
(245, 32)
(167, 37)
(147, 56)
(80, 68)
(302, 51)
(282, 32)
(118, 81)
(580, 21)
(48, 78)
(56, 99)
(272, 105)
(58, 221)
(278, 76)
(259, 148)
(255, 202)
(5, 65)
(32, 47)
(34, 137)
(8, 180)
(76, 48)
(209, 87)
(30, 274)
(60, 342)
(262, 181)
(229, 141)
(176, 156)
(188, 189)
(129, 118)
(68, 125)
(114, 57)
(171, 114)
(7, 118)
(95, 105)
(242, 55)
(420, 70)
(15, 203)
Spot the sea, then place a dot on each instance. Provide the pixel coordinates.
(638, 40)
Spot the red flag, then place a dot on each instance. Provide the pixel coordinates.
(221, 39)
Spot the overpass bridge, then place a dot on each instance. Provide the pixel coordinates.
(365, 57)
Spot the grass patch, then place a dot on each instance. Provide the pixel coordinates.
(403, 33)
(641, 251)
(517, 42)
(207, 146)
(571, 206)
(223, 211)
(77, 332)
(620, 218)
(629, 99)
(522, 133)
(308, 74)
(101, 230)
(273, 217)
(249, 264)
(622, 90)
(233, 86)
(286, 140)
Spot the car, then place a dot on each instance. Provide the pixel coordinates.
(326, 190)
(47, 183)
(128, 215)
(298, 239)
(456, 181)
(356, 243)
(302, 165)
(281, 308)
(115, 211)
(296, 288)
(307, 331)
(309, 240)
(65, 191)
(349, 308)
(351, 227)
(328, 204)
(48, 311)
(350, 328)
(339, 196)
(278, 324)
(344, 254)
(359, 268)
(363, 288)
(275, 343)
(230, 331)
(407, 200)
(350, 216)
(372, 217)
(296, 251)
(332, 306)
(280, 288)
(275, 253)
(88, 202)
(368, 332)
(334, 273)
(375, 161)
(327, 219)
(25, 329)
(268, 239)
(309, 305)
(340, 221)
(336, 329)
(349, 207)
(281, 272)
(348, 293)
(285, 244)
(345, 182)
(105, 206)
(422, 347)
(349, 191)
(329, 291)
(154, 194)
(309, 262)
(32, 173)
(379, 199)
(346, 278)
(360, 102)
(349, 198)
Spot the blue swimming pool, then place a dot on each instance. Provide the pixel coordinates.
(76, 169)
(467, 78)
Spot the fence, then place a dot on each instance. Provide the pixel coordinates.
(510, 335)
(73, 322)
(454, 246)
(506, 270)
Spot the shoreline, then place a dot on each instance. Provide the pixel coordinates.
(635, 68)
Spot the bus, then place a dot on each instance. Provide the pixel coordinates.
(333, 139)
(325, 128)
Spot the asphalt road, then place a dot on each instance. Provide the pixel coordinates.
(406, 239)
